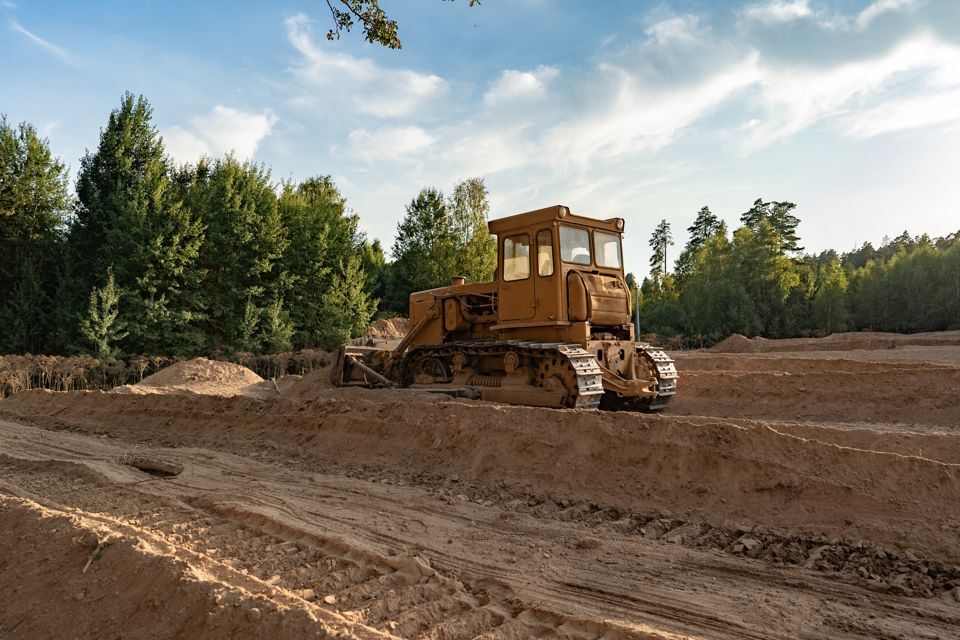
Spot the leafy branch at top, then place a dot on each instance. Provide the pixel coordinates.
(378, 27)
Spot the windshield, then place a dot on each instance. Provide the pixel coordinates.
(606, 249)
(574, 245)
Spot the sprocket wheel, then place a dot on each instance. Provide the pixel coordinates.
(556, 373)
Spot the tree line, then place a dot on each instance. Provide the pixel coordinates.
(759, 281)
(150, 257)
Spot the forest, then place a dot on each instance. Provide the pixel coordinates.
(147, 257)
(759, 281)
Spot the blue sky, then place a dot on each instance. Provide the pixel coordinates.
(644, 110)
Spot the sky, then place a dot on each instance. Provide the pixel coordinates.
(632, 109)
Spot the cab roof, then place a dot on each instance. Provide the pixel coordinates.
(548, 214)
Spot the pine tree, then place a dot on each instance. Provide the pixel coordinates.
(102, 327)
(242, 254)
(703, 228)
(660, 240)
(129, 217)
(347, 308)
(33, 208)
(322, 236)
(783, 224)
(424, 251)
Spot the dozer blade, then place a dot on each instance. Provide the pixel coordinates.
(351, 369)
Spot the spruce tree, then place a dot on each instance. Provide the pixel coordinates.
(424, 251)
(129, 217)
(703, 228)
(242, 254)
(101, 327)
(33, 209)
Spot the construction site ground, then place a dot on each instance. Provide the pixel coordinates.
(794, 489)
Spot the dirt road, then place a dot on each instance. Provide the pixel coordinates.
(763, 505)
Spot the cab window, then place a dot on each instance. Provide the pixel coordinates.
(545, 253)
(574, 245)
(606, 249)
(516, 257)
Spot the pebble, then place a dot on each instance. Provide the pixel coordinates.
(273, 580)
(588, 543)
(253, 614)
(79, 596)
(330, 599)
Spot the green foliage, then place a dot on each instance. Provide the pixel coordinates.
(102, 327)
(779, 216)
(476, 250)
(33, 209)
(660, 285)
(346, 306)
(703, 228)
(130, 218)
(323, 237)
(241, 255)
(830, 313)
(378, 28)
(438, 239)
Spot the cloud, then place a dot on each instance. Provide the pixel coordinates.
(795, 98)
(778, 11)
(684, 30)
(878, 8)
(222, 130)
(905, 114)
(6, 4)
(57, 52)
(368, 87)
(633, 117)
(389, 144)
(515, 86)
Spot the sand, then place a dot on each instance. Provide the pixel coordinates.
(804, 493)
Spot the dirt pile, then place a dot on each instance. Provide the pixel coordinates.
(202, 376)
(867, 340)
(387, 328)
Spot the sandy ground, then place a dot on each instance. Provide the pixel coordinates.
(795, 489)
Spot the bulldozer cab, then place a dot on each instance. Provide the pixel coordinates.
(558, 269)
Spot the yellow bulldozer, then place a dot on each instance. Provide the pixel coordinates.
(553, 329)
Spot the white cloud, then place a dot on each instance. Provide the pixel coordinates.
(389, 144)
(631, 117)
(682, 30)
(870, 13)
(513, 86)
(6, 4)
(797, 98)
(778, 11)
(370, 88)
(223, 130)
(906, 114)
(49, 47)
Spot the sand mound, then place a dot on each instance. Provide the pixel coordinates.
(201, 370)
(850, 341)
(202, 376)
(307, 387)
(736, 343)
(387, 328)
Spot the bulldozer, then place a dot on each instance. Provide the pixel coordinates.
(552, 329)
